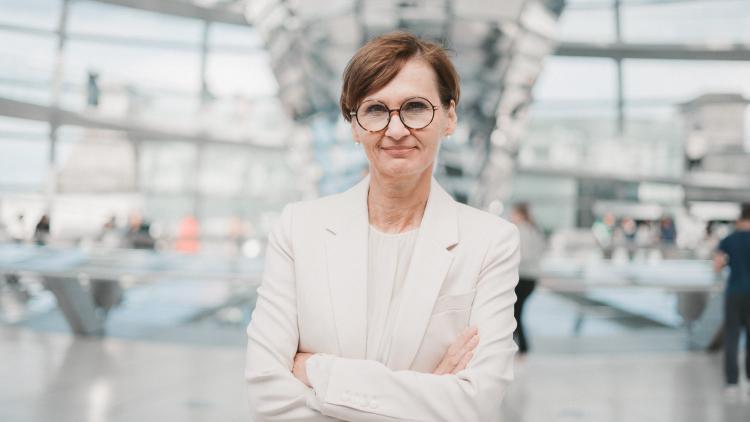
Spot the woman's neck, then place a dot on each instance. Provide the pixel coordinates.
(396, 205)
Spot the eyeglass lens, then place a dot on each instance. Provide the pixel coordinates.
(415, 113)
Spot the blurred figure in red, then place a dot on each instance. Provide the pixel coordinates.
(187, 235)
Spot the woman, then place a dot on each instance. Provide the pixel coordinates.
(389, 301)
(532, 247)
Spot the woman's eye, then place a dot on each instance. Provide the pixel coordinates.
(375, 108)
(415, 106)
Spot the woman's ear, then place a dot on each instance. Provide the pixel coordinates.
(452, 119)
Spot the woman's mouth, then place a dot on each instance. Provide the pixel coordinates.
(399, 151)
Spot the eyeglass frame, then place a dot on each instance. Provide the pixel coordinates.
(353, 113)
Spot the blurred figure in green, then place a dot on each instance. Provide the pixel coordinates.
(604, 233)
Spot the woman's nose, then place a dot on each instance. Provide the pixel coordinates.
(396, 128)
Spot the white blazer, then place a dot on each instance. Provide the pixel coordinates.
(313, 299)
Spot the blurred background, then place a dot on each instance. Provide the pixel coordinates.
(147, 147)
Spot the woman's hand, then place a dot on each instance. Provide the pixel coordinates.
(299, 369)
(459, 353)
(455, 359)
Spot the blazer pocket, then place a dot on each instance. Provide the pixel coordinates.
(450, 316)
(453, 302)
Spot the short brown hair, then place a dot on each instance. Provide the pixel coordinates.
(376, 63)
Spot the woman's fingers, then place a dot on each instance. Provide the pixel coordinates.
(464, 362)
(466, 342)
(454, 351)
(467, 352)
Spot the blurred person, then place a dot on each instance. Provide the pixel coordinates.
(236, 233)
(604, 233)
(710, 241)
(138, 235)
(42, 230)
(17, 229)
(696, 148)
(109, 235)
(92, 89)
(532, 248)
(390, 301)
(667, 231)
(644, 235)
(734, 251)
(188, 232)
(629, 230)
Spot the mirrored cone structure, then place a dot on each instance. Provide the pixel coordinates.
(497, 47)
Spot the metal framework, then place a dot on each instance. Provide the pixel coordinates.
(499, 48)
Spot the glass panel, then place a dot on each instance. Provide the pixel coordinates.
(167, 167)
(233, 36)
(24, 154)
(232, 74)
(168, 209)
(713, 22)
(153, 68)
(488, 10)
(91, 17)
(269, 175)
(552, 199)
(576, 78)
(222, 170)
(563, 138)
(587, 25)
(588, 4)
(42, 14)
(22, 129)
(94, 160)
(678, 81)
(134, 81)
(26, 66)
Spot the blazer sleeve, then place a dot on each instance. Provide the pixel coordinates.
(273, 336)
(364, 390)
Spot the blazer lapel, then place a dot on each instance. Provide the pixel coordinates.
(346, 255)
(429, 266)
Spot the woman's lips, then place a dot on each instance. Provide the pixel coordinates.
(399, 151)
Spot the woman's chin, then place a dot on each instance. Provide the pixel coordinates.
(405, 168)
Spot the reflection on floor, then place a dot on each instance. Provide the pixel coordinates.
(684, 387)
(610, 371)
(54, 377)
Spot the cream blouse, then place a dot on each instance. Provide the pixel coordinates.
(389, 256)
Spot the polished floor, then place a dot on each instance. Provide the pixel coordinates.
(49, 377)
(613, 369)
(55, 377)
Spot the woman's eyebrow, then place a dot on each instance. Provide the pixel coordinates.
(404, 99)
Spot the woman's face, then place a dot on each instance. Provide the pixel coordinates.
(397, 150)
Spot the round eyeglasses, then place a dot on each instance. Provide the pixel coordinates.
(374, 116)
